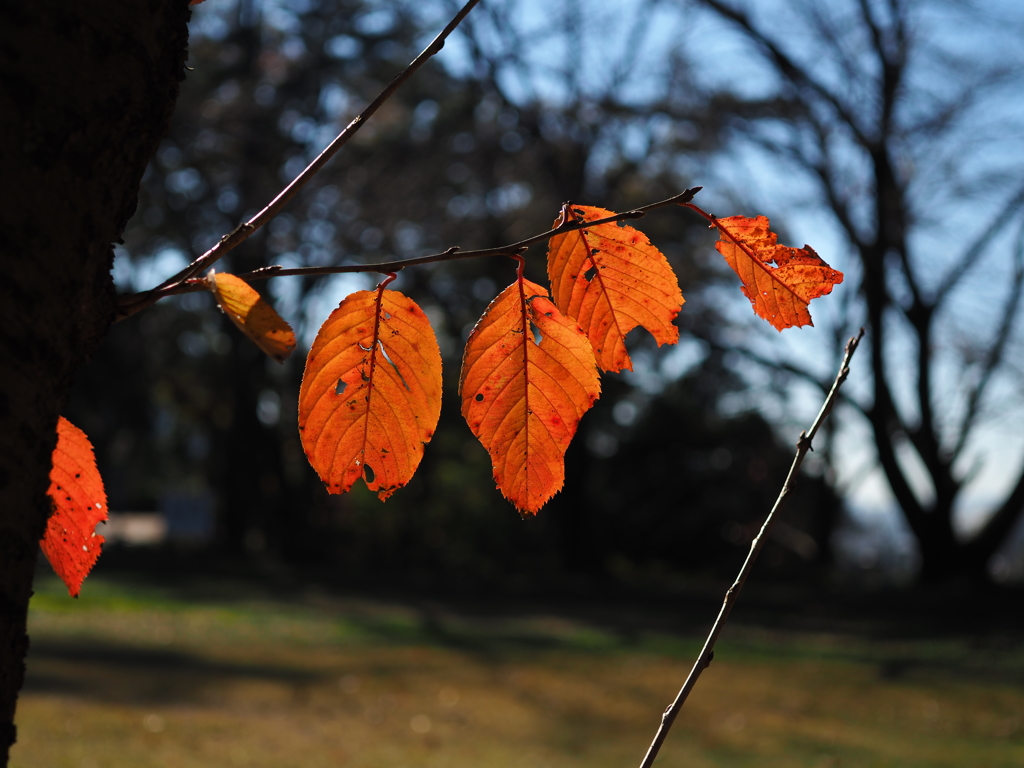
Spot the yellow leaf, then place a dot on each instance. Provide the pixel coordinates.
(252, 314)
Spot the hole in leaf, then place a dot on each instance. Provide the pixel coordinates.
(479, 397)
(340, 389)
(590, 274)
(368, 473)
(387, 315)
(537, 338)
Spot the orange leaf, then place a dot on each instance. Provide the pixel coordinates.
(252, 314)
(79, 503)
(779, 294)
(524, 399)
(611, 280)
(371, 392)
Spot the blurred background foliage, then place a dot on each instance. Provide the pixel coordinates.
(670, 474)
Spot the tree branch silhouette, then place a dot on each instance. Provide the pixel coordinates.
(129, 304)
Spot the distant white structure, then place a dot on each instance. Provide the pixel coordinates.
(134, 529)
(183, 518)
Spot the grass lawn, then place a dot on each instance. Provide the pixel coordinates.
(140, 677)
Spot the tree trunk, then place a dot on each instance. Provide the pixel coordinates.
(86, 93)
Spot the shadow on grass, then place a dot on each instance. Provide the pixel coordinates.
(120, 673)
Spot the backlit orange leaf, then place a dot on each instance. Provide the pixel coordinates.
(779, 294)
(252, 314)
(79, 503)
(610, 279)
(524, 398)
(371, 392)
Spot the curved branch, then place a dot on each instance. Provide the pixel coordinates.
(818, 168)
(970, 257)
(996, 350)
(994, 532)
(891, 59)
(785, 367)
(885, 420)
(876, 33)
(787, 67)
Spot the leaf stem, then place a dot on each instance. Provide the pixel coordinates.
(803, 445)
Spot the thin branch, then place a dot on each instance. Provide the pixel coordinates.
(508, 54)
(876, 33)
(634, 45)
(887, 421)
(784, 366)
(191, 285)
(835, 36)
(998, 526)
(792, 71)
(130, 304)
(819, 167)
(995, 353)
(972, 256)
(803, 445)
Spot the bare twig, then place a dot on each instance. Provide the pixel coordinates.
(971, 256)
(191, 285)
(993, 355)
(132, 303)
(799, 75)
(803, 445)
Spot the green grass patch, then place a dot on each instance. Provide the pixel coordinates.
(136, 675)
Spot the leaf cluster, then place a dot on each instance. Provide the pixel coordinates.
(370, 396)
(606, 280)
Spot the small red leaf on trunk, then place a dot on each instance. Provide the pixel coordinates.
(79, 503)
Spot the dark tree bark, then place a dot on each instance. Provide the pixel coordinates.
(86, 93)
